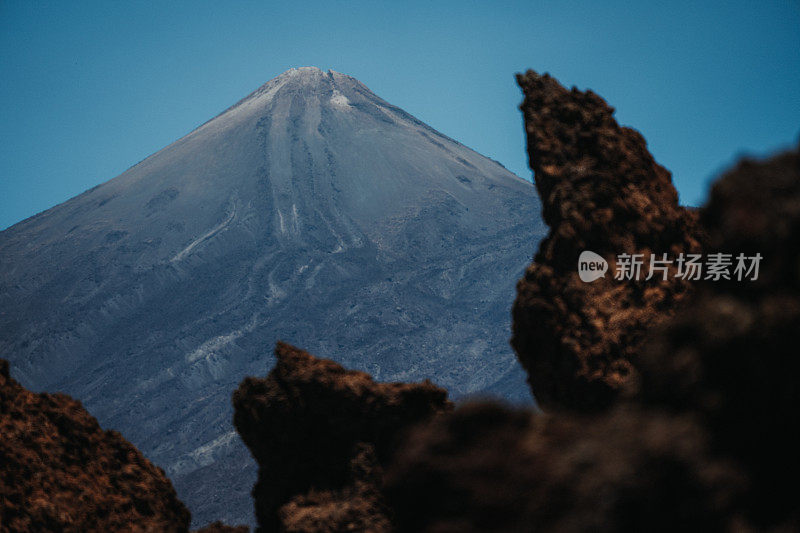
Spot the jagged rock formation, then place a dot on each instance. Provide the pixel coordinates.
(320, 435)
(312, 211)
(730, 355)
(59, 471)
(602, 191)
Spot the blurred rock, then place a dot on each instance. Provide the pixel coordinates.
(731, 356)
(489, 468)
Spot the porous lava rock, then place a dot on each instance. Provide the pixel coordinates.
(731, 355)
(602, 191)
(490, 468)
(59, 471)
(357, 506)
(219, 527)
(321, 435)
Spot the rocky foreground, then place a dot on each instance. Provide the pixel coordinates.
(671, 404)
(60, 472)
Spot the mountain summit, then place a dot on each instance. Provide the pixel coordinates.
(312, 211)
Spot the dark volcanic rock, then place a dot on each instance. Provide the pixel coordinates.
(357, 506)
(219, 527)
(731, 355)
(488, 468)
(320, 434)
(602, 191)
(59, 471)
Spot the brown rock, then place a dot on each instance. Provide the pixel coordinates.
(59, 471)
(320, 434)
(731, 356)
(488, 468)
(602, 191)
(358, 506)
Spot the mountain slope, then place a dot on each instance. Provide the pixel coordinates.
(312, 211)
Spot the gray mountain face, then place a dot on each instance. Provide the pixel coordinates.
(312, 211)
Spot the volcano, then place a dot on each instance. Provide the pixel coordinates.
(313, 212)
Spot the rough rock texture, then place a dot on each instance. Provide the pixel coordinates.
(59, 471)
(357, 506)
(602, 191)
(219, 527)
(320, 434)
(488, 468)
(731, 356)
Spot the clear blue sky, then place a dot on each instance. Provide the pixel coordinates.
(88, 89)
